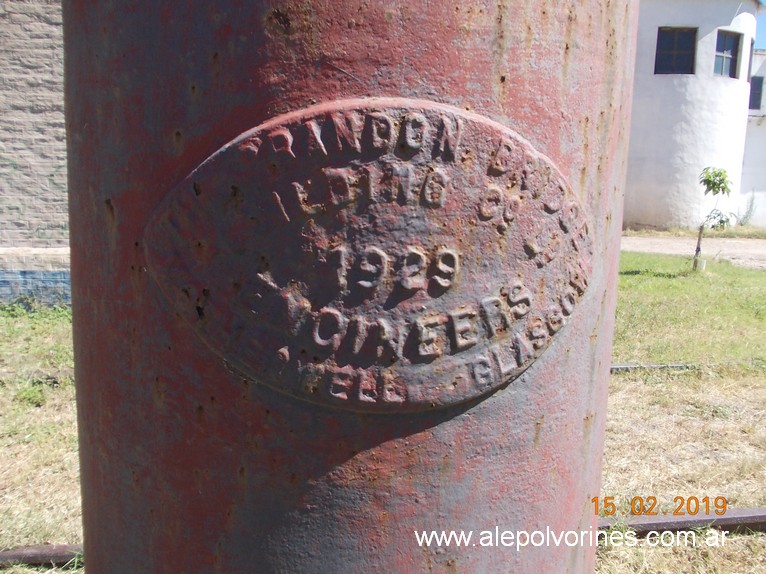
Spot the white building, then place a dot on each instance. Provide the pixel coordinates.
(690, 110)
(754, 167)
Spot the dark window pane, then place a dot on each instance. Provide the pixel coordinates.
(675, 50)
(665, 39)
(684, 64)
(720, 44)
(731, 43)
(663, 64)
(756, 92)
(686, 40)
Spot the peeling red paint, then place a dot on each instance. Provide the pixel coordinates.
(183, 448)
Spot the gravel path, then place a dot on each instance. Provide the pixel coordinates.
(744, 252)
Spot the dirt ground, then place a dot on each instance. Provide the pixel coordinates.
(745, 252)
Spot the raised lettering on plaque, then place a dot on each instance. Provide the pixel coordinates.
(382, 255)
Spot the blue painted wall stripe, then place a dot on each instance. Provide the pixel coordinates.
(49, 287)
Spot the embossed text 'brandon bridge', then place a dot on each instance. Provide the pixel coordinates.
(387, 254)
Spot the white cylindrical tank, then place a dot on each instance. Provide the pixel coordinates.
(683, 122)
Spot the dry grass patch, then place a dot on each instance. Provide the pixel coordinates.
(39, 480)
(687, 433)
(73, 567)
(697, 432)
(738, 555)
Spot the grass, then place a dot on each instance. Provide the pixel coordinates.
(668, 313)
(738, 555)
(75, 566)
(694, 432)
(39, 480)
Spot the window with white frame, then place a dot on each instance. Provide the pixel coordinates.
(727, 54)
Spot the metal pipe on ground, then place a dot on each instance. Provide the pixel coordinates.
(736, 520)
(41, 555)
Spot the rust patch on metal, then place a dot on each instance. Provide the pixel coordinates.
(379, 255)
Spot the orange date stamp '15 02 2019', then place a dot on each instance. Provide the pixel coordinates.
(649, 506)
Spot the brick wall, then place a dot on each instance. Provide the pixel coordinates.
(33, 196)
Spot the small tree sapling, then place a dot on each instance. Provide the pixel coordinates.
(716, 182)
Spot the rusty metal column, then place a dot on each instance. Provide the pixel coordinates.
(343, 271)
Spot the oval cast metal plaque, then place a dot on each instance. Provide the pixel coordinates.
(380, 255)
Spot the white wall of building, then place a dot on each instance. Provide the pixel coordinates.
(754, 165)
(683, 123)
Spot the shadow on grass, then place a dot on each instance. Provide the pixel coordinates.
(656, 274)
